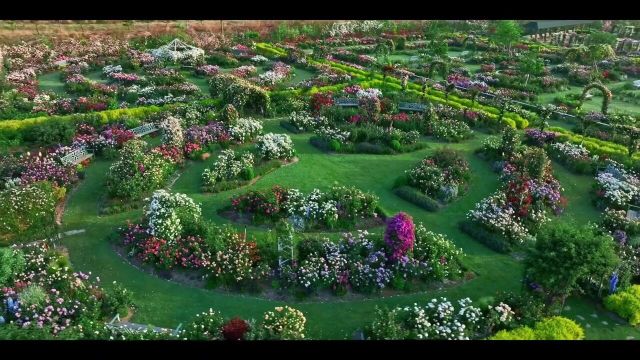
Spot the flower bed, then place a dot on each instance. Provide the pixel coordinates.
(442, 176)
(44, 293)
(617, 188)
(575, 157)
(139, 171)
(339, 208)
(233, 170)
(363, 265)
(518, 209)
(439, 319)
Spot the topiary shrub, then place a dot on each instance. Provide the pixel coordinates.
(554, 328)
(558, 328)
(395, 145)
(626, 304)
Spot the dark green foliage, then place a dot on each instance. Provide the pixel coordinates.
(566, 257)
(417, 198)
(490, 239)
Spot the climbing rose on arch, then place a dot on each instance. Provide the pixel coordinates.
(399, 235)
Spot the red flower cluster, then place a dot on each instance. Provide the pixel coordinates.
(171, 153)
(400, 117)
(191, 147)
(186, 252)
(320, 100)
(235, 329)
(519, 197)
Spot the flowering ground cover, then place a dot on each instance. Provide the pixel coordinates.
(87, 250)
(206, 201)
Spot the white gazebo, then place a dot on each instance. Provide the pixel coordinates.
(177, 50)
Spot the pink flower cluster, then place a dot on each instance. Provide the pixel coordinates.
(124, 77)
(208, 70)
(399, 235)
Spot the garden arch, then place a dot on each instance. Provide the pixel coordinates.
(606, 95)
(471, 39)
(444, 71)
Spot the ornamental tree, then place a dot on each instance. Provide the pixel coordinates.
(507, 32)
(531, 64)
(399, 236)
(566, 258)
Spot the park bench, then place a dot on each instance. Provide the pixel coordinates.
(633, 213)
(76, 157)
(412, 107)
(145, 129)
(116, 323)
(346, 102)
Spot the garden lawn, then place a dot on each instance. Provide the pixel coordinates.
(52, 82)
(165, 303)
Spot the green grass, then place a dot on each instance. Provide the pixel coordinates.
(595, 103)
(165, 303)
(51, 82)
(199, 81)
(96, 75)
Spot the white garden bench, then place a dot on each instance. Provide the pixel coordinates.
(412, 107)
(76, 157)
(346, 102)
(145, 129)
(633, 213)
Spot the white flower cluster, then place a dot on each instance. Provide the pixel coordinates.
(304, 121)
(162, 212)
(505, 314)
(142, 91)
(571, 151)
(349, 27)
(245, 129)
(314, 208)
(329, 133)
(620, 187)
(284, 323)
(172, 133)
(259, 59)
(186, 54)
(439, 320)
(168, 99)
(493, 214)
(369, 93)
(109, 69)
(275, 146)
(227, 167)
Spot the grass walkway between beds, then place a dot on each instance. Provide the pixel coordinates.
(164, 303)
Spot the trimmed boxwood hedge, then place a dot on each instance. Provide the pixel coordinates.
(492, 240)
(417, 198)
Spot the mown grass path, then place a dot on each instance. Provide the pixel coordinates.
(164, 303)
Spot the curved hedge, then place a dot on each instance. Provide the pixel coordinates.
(371, 79)
(595, 146)
(18, 129)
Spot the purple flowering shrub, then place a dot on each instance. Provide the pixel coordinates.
(399, 236)
(360, 264)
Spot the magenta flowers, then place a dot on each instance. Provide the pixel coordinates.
(399, 235)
